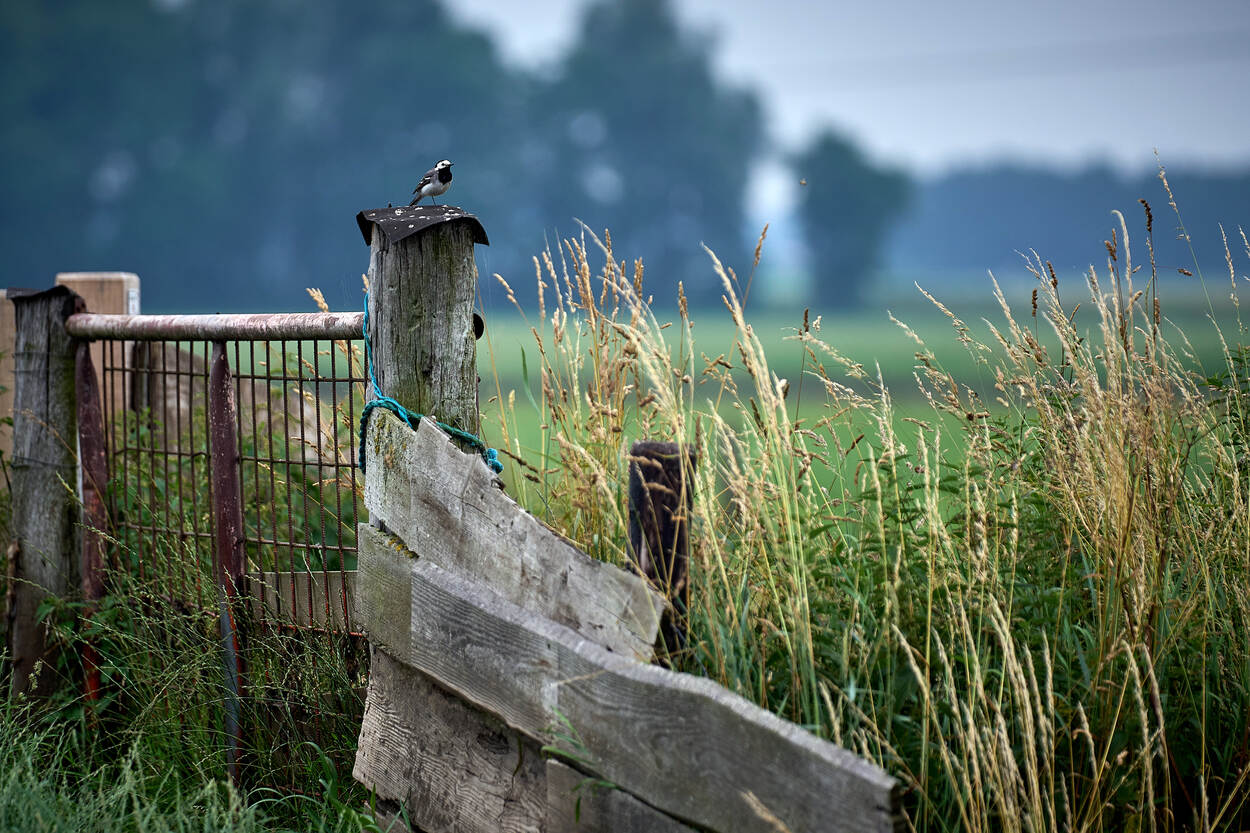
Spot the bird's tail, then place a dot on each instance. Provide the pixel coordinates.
(417, 200)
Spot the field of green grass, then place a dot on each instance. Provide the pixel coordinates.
(1004, 554)
(881, 339)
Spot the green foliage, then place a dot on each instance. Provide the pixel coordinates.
(239, 116)
(231, 160)
(644, 139)
(56, 778)
(847, 205)
(149, 754)
(981, 216)
(1030, 606)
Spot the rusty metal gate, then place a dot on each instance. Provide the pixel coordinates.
(228, 446)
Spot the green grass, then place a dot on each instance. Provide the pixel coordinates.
(1019, 584)
(54, 778)
(882, 340)
(1007, 561)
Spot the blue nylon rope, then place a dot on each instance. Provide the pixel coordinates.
(412, 417)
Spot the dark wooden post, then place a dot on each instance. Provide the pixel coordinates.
(45, 474)
(422, 283)
(661, 493)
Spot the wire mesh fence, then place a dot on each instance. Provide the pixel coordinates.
(288, 391)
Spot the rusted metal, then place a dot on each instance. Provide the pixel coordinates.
(246, 327)
(397, 222)
(228, 538)
(93, 460)
(287, 450)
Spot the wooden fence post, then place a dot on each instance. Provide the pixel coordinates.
(421, 291)
(108, 292)
(661, 493)
(45, 476)
(422, 284)
(8, 333)
(111, 293)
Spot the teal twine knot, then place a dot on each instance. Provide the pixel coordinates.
(412, 417)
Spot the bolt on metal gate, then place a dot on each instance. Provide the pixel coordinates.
(230, 443)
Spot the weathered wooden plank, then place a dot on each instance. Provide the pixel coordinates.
(447, 506)
(683, 743)
(454, 768)
(576, 804)
(307, 600)
(383, 589)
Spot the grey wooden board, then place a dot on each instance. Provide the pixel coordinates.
(684, 744)
(447, 506)
(45, 515)
(383, 588)
(454, 768)
(575, 804)
(305, 599)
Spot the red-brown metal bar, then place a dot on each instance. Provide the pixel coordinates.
(94, 462)
(228, 538)
(247, 327)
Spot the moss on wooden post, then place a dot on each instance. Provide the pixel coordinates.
(421, 291)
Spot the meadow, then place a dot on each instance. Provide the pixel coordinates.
(998, 545)
(1019, 583)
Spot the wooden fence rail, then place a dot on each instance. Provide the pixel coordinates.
(530, 650)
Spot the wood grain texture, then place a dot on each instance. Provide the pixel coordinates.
(447, 506)
(454, 768)
(105, 292)
(685, 744)
(8, 340)
(46, 516)
(383, 589)
(421, 322)
(575, 804)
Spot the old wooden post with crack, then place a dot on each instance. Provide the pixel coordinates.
(422, 283)
(423, 354)
(44, 554)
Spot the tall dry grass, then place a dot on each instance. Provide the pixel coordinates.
(1035, 613)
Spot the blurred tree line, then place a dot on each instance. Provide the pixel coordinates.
(967, 221)
(221, 149)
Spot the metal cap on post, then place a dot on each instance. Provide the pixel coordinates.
(422, 285)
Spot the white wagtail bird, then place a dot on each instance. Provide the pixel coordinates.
(434, 184)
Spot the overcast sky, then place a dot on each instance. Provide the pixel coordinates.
(930, 85)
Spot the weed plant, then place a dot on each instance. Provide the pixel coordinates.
(1031, 606)
(150, 754)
